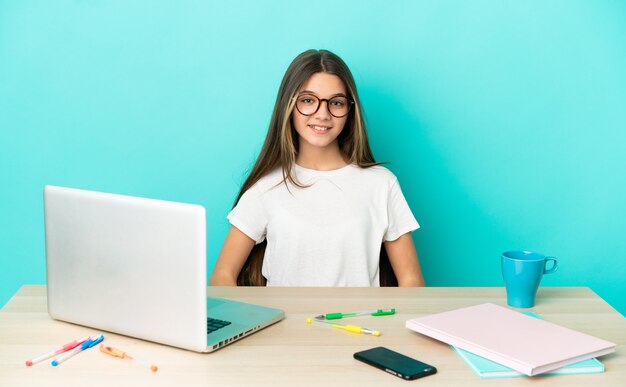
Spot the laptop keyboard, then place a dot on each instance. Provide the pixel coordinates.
(213, 324)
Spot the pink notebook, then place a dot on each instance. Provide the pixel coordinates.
(521, 342)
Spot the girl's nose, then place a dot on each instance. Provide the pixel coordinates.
(322, 111)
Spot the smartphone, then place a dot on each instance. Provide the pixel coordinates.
(395, 363)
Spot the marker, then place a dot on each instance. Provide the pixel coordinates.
(86, 345)
(64, 348)
(349, 328)
(123, 355)
(375, 312)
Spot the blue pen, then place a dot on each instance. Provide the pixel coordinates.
(86, 345)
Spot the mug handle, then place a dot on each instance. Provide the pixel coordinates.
(555, 265)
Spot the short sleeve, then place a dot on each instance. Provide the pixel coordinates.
(250, 215)
(399, 215)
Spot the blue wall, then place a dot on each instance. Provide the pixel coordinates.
(503, 120)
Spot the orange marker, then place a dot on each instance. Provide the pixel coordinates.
(123, 355)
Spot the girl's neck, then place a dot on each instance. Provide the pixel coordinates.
(321, 159)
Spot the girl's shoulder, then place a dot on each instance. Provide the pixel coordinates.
(379, 173)
(267, 182)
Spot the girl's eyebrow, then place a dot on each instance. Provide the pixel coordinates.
(315, 94)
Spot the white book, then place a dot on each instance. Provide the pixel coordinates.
(523, 343)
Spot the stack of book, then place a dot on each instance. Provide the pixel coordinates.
(498, 342)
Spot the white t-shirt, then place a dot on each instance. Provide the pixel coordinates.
(328, 234)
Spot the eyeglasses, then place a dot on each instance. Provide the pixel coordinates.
(308, 104)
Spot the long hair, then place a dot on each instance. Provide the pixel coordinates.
(281, 142)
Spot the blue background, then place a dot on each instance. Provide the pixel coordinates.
(503, 120)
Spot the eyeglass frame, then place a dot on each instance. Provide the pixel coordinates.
(350, 103)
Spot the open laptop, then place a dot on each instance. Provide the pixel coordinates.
(137, 267)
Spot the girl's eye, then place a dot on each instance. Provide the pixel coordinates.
(306, 100)
(338, 102)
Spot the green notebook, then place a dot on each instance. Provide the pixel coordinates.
(490, 369)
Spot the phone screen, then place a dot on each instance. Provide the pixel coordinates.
(395, 363)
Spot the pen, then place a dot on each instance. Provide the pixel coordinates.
(64, 348)
(375, 312)
(349, 328)
(85, 345)
(123, 355)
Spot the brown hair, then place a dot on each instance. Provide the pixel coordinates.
(281, 142)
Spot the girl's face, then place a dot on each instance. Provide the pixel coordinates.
(320, 129)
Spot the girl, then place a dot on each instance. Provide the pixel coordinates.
(317, 208)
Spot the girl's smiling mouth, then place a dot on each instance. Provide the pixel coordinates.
(319, 128)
